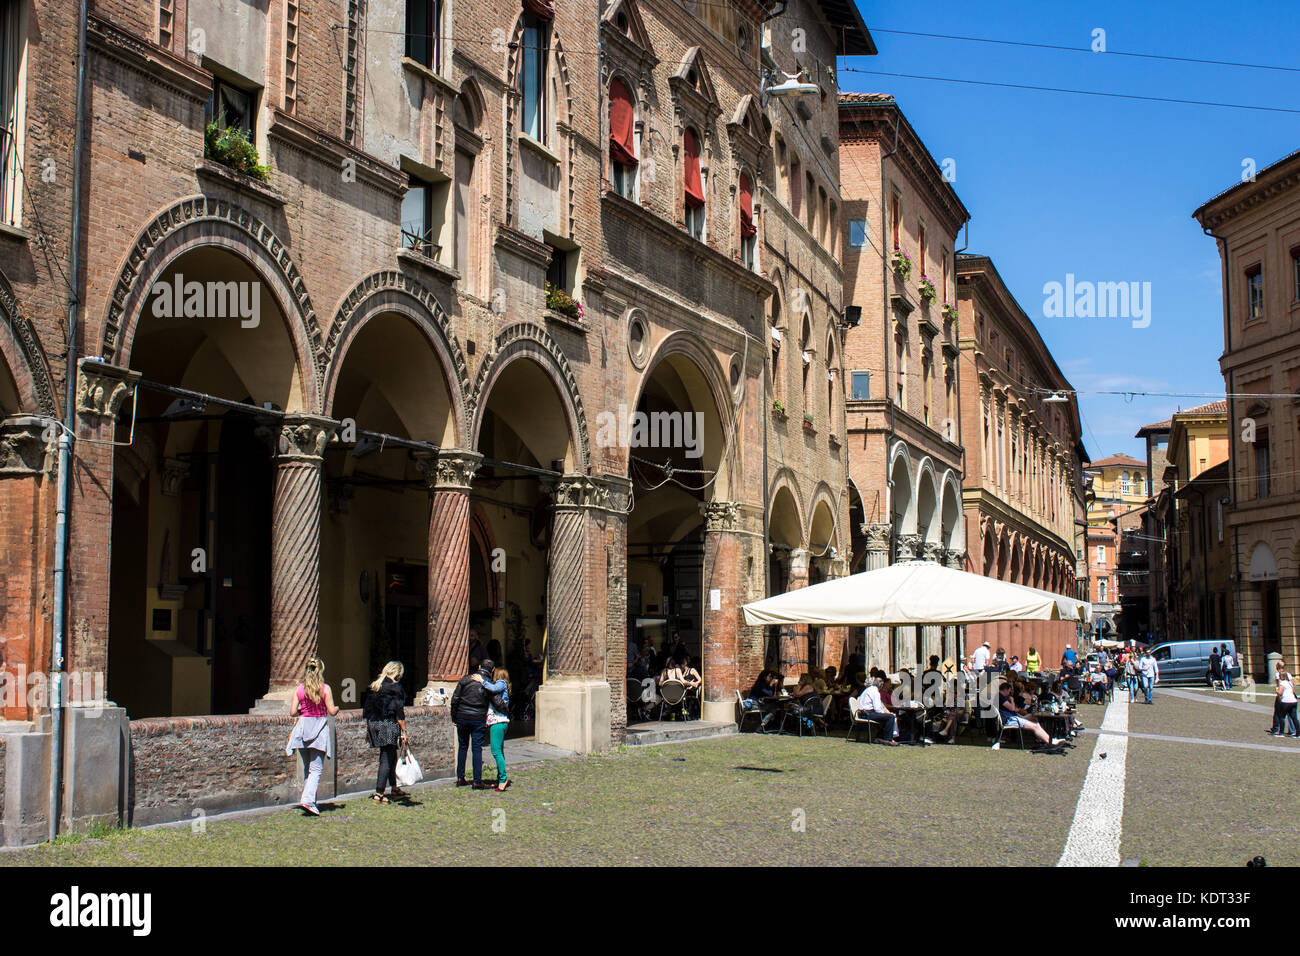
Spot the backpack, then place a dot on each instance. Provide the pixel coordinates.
(455, 700)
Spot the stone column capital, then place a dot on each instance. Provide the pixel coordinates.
(579, 493)
(931, 551)
(955, 558)
(174, 473)
(101, 388)
(722, 516)
(448, 469)
(878, 536)
(909, 546)
(302, 438)
(24, 452)
(799, 558)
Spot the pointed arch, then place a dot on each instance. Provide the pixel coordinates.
(526, 340)
(210, 221)
(388, 292)
(23, 354)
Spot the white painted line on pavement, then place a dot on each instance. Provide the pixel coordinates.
(1098, 818)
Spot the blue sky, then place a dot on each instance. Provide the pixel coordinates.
(1101, 188)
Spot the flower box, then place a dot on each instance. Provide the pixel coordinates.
(557, 300)
(928, 291)
(901, 264)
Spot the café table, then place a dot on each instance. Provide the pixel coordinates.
(915, 713)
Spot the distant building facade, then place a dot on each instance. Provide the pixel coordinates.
(1024, 455)
(901, 358)
(1256, 225)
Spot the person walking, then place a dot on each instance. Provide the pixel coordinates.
(498, 720)
(1226, 664)
(1149, 671)
(1216, 667)
(469, 711)
(1131, 677)
(385, 714)
(1283, 688)
(313, 704)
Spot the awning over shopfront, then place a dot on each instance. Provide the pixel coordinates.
(914, 593)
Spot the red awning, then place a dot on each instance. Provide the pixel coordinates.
(545, 9)
(620, 124)
(746, 207)
(694, 186)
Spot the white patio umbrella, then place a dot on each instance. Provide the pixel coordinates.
(914, 592)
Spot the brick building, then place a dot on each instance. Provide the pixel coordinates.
(1118, 485)
(1257, 227)
(1023, 457)
(802, 237)
(900, 353)
(375, 390)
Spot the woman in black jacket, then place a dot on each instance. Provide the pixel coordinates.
(385, 715)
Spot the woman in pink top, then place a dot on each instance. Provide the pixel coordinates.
(313, 705)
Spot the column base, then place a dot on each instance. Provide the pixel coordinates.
(435, 692)
(275, 701)
(96, 761)
(719, 711)
(573, 713)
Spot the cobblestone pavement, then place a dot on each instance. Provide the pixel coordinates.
(784, 800)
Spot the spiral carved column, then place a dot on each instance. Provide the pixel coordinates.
(295, 548)
(448, 475)
(567, 651)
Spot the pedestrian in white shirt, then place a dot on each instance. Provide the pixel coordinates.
(1148, 674)
(980, 659)
(872, 707)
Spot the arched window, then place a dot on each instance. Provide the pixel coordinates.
(693, 184)
(622, 151)
(748, 232)
(778, 373)
(535, 43)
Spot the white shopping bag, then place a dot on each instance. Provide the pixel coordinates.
(408, 769)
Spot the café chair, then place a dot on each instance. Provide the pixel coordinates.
(747, 710)
(634, 691)
(1004, 729)
(856, 723)
(671, 694)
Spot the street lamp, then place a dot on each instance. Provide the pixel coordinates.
(788, 88)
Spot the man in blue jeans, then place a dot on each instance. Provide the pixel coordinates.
(1149, 674)
(469, 704)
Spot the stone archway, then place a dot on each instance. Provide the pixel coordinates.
(216, 489)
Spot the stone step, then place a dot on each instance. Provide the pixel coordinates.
(664, 731)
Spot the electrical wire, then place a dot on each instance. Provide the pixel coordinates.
(1088, 50)
(1058, 89)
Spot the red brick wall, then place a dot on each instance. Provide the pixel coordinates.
(214, 764)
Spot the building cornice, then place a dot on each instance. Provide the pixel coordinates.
(136, 53)
(681, 241)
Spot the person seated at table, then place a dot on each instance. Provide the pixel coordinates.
(762, 687)
(931, 679)
(1015, 665)
(690, 676)
(871, 706)
(805, 688)
(950, 707)
(1097, 684)
(1012, 717)
(672, 671)
(825, 680)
